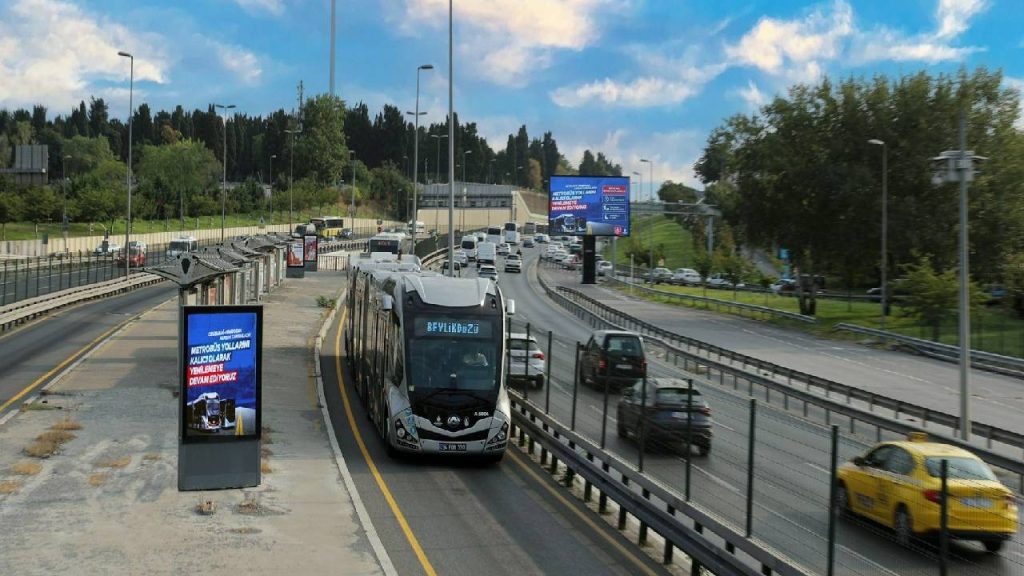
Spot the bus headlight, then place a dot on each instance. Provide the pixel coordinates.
(406, 438)
(501, 436)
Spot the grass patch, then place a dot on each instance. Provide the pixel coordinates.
(115, 463)
(34, 406)
(993, 329)
(265, 467)
(98, 479)
(250, 506)
(676, 242)
(151, 457)
(66, 424)
(246, 530)
(27, 468)
(9, 486)
(48, 443)
(325, 302)
(58, 436)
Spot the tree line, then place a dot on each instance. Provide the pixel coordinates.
(323, 153)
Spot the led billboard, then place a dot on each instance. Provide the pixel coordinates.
(589, 205)
(221, 357)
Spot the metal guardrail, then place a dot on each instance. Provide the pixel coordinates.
(567, 297)
(1007, 364)
(653, 505)
(23, 310)
(764, 310)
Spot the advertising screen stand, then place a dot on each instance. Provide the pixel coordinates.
(296, 264)
(311, 246)
(219, 406)
(589, 267)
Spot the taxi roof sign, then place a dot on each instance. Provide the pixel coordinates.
(917, 437)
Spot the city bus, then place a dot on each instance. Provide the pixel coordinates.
(328, 226)
(385, 242)
(530, 228)
(428, 355)
(511, 233)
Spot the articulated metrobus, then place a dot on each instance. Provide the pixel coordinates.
(428, 352)
(385, 242)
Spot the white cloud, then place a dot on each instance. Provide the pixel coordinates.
(275, 7)
(52, 51)
(752, 95)
(641, 92)
(953, 16)
(508, 40)
(673, 160)
(242, 63)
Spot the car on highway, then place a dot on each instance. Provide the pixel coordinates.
(136, 257)
(685, 277)
(663, 414)
(461, 257)
(526, 360)
(528, 242)
(106, 248)
(488, 271)
(898, 484)
(658, 275)
(719, 280)
(783, 286)
(541, 238)
(604, 268)
(503, 249)
(458, 268)
(513, 263)
(612, 357)
(346, 233)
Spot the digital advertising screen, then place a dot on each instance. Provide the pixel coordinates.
(221, 380)
(309, 252)
(589, 206)
(295, 255)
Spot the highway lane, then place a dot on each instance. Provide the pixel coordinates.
(932, 383)
(791, 489)
(468, 518)
(33, 353)
(19, 280)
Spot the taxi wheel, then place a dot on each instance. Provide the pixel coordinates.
(904, 526)
(993, 545)
(842, 500)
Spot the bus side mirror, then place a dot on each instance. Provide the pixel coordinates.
(510, 307)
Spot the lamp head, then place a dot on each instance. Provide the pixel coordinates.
(876, 142)
(126, 55)
(426, 67)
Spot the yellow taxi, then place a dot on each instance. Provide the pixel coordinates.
(898, 484)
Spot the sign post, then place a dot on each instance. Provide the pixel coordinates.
(311, 245)
(296, 263)
(220, 402)
(589, 206)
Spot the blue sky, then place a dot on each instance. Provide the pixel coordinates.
(630, 78)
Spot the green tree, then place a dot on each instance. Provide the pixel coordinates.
(86, 154)
(934, 296)
(11, 205)
(175, 175)
(320, 151)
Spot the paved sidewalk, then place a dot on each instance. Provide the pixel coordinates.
(108, 503)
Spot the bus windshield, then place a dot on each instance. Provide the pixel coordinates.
(453, 354)
(335, 223)
(493, 231)
(510, 226)
(384, 245)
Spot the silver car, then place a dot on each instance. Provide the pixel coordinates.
(488, 271)
(526, 360)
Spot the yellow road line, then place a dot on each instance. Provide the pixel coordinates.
(61, 366)
(427, 567)
(586, 520)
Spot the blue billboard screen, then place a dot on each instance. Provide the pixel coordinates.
(221, 385)
(589, 205)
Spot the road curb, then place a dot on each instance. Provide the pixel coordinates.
(364, 517)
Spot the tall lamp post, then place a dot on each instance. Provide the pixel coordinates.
(224, 181)
(352, 201)
(958, 166)
(272, 156)
(437, 160)
(650, 229)
(416, 154)
(128, 180)
(885, 227)
(291, 164)
(64, 189)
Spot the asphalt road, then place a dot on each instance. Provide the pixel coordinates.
(791, 464)
(33, 354)
(468, 518)
(935, 384)
(21, 279)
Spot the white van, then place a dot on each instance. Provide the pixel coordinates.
(468, 245)
(486, 253)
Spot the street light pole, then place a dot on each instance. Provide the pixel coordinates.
(451, 141)
(415, 155)
(650, 229)
(291, 164)
(128, 220)
(272, 156)
(437, 159)
(885, 227)
(64, 210)
(224, 181)
(352, 201)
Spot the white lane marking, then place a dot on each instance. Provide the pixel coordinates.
(816, 467)
(730, 428)
(716, 479)
(610, 417)
(1017, 554)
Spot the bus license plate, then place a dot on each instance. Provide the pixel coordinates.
(452, 446)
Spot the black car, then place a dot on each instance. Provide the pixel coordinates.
(668, 413)
(614, 357)
(346, 233)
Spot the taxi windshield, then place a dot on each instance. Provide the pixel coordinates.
(960, 468)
